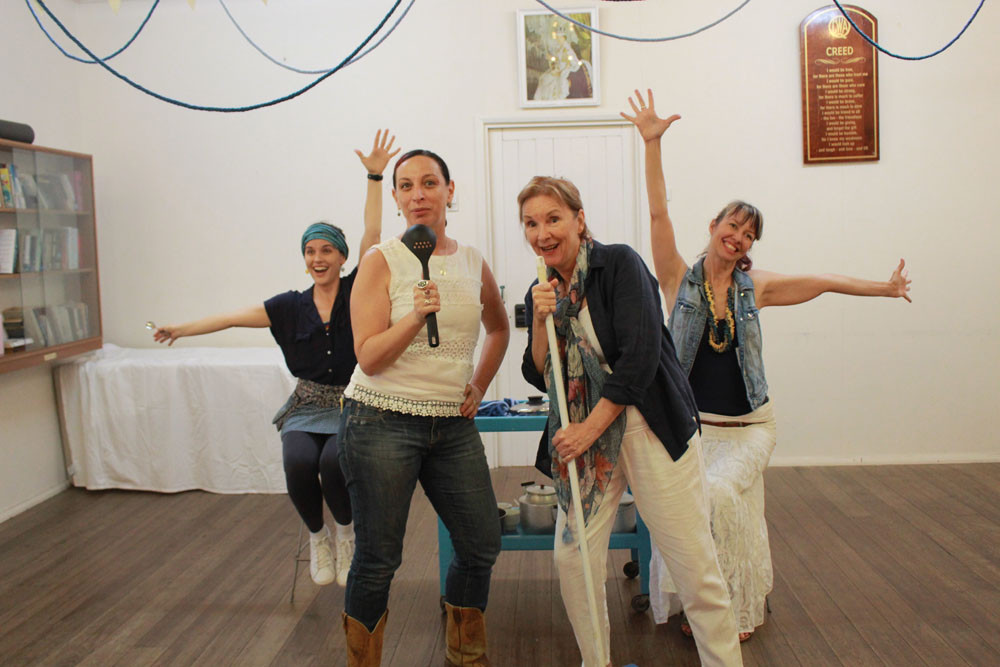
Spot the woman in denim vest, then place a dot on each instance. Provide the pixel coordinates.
(714, 320)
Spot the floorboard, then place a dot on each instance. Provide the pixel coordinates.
(876, 565)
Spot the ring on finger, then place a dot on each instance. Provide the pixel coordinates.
(421, 284)
(427, 302)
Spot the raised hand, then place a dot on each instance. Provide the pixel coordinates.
(376, 161)
(650, 125)
(899, 282)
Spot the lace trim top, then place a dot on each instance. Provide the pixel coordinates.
(424, 380)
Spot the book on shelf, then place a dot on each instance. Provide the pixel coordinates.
(50, 192)
(69, 192)
(18, 186)
(78, 190)
(6, 188)
(30, 251)
(8, 250)
(49, 249)
(57, 324)
(32, 327)
(29, 188)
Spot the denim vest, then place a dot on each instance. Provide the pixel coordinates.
(687, 325)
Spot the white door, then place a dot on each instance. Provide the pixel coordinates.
(600, 158)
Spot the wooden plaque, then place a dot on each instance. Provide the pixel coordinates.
(839, 86)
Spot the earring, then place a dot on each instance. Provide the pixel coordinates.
(307, 272)
(398, 213)
(449, 204)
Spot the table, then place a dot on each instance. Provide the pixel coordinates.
(174, 419)
(636, 542)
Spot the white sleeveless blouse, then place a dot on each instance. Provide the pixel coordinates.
(425, 380)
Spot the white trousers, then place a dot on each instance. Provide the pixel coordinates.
(672, 499)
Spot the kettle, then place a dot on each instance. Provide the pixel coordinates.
(538, 508)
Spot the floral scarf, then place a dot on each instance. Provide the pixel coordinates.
(584, 381)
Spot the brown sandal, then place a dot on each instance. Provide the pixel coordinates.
(686, 627)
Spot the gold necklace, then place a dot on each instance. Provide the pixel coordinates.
(729, 333)
(444, 260)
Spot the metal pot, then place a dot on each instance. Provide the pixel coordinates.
(538, 509)
(535, 405)
(625, 518)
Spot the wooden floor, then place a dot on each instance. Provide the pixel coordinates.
(873, 565)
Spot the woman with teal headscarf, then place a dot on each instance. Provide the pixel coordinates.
(313, 329)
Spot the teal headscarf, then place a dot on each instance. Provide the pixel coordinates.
(327, 232)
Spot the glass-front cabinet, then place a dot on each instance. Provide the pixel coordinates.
(49, 290)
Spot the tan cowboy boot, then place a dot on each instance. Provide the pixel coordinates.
(364, 649)
(466, 635)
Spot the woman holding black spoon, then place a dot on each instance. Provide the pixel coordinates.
(410, 409)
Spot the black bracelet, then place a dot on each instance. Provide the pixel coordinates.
(374, 177)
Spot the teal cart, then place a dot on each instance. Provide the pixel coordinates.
(637, 542)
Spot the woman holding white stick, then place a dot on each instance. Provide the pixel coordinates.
(632, 419)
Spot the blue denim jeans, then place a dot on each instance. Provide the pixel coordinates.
(383, 454)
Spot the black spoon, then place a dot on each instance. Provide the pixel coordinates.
(421, 240)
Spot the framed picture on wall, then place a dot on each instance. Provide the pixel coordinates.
(558, 61)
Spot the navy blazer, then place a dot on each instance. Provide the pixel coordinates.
(624, 302)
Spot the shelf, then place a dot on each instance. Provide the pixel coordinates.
(62, 272)
(46, 211)
(57, 304)
(13, 361)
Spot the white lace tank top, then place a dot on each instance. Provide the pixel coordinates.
(424, 380)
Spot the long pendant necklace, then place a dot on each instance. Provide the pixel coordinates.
(720, 334)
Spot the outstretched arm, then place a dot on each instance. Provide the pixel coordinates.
(254, 317)
(375, 163)
(667, 260)
(775, 289)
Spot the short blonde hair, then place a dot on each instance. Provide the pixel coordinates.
(550, 186)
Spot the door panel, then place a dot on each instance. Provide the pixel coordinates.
(600, 159)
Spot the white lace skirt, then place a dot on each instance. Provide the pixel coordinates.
(735, 459)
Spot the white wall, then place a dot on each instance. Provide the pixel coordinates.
(39, 89)
(199, 212)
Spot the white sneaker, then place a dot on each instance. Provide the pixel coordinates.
(345, 554)
(321, 558)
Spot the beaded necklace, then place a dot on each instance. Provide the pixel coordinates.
(720, 334)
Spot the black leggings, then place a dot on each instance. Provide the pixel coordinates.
(312, 472)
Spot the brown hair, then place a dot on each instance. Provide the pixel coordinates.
(744, 212)
(425, 153)
(560, 188)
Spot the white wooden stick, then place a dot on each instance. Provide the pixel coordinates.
(574, 482)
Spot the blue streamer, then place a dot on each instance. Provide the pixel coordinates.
(641, 39)
(195, 107)
(894, 55)
(326, 69)
(84, 60)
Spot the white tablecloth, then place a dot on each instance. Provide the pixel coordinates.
(175, 419)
